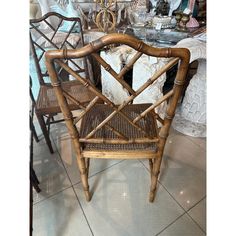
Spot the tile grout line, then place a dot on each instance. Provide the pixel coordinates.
(170, 224)
(192, 217)
(68, 188)
(196, 203)
(165, 189)
(42, 200)
(185, 211)
(50, 196)
(74, 190)
(100, 171)
(83, 211)
(72, 185)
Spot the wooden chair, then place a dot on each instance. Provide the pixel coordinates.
(54, 31)
(128, 130)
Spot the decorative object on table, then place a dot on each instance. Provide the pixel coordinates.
(174, 4)
(192, 23)
(162, 8)
(178, 16)
(182, 19)
(139, 16)
(106, 18)
(163, 21)
(190, 118)
(123, 131)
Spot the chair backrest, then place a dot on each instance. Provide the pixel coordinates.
(45, 36)
(175, 55)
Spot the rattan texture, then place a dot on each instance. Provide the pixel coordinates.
(99, 112)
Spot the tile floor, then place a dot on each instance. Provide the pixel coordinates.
(119, 206)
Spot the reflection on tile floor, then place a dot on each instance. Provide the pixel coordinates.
(120, 192)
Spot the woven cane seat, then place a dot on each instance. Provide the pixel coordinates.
(47, 101)
(99, 112)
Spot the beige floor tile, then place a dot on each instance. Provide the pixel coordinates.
(183, 170)
(182, 150)
(202, 142)
(184, 226)
(120, 205)
(50, 172)
(60, 215)
(197, 140)
(198, 213)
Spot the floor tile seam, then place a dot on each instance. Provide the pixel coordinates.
(193, 218)
(196, 203)
(171, 223)
(196, 223)
(90, 176)
(166, 190)
(90, 228)
(63, 164)
(50, 196)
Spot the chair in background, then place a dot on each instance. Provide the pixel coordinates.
(54, 31)
(123, 131)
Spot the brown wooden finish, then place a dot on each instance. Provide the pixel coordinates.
(41, 40)
(127, 130)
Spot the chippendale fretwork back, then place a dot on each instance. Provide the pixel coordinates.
(54, 31)
(128, 130)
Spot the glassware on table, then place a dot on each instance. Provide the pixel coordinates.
(90, 18)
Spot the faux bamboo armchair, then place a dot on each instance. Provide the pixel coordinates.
(125, 131)
(54, 31)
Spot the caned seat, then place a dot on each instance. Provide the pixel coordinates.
(97, 114)
(128, 130)
(47, 101)
(54, 31)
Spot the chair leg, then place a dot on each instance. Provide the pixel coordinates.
(45, 132)
(150, 166)
(154, 177)
(34, 134)
(87, 162)
(84, 177)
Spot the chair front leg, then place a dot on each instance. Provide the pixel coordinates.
(154, 177)
(84, 176)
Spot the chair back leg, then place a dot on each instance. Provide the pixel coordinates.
(45, 132)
